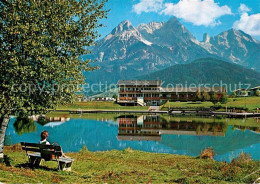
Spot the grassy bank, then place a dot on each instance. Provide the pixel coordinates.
(246, 102)
(129, 166)
(186, 105)
(250, 103)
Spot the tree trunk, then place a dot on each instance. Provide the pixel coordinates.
(3, 126)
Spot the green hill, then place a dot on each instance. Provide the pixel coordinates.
(206, 71)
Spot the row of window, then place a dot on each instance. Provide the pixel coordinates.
(139, 95)
(178, 95)
(137, 89)
(157, 95)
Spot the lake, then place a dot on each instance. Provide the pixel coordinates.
(162, 134)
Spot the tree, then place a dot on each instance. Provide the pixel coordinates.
(244, 93)
(114, 96)
(40, 47)
(214, 97)
(234, 94)
(257, 93)
(198, 95)
(224, 98)
(205, 96)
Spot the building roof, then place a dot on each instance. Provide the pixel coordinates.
(194, 89)
(257, 87)
(139, 83)
(242, 89)
(158, 83)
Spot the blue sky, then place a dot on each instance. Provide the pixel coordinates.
(199, 16)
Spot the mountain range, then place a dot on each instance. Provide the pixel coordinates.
(130, 51)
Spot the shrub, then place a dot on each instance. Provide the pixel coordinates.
(114, 96)
(128, 150)
(224, 98)
(84, 149)
(229, 172)
(234, 95)
(243, 158)
(239, 169)
(258, 93)
(217, 106)
(207, 153)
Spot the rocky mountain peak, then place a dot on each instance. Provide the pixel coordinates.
(240, 36)
(123, 26)
(150, 27)
(156, 25)
(232, 33)
(172, 33)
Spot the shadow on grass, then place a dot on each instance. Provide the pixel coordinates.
(30, 166)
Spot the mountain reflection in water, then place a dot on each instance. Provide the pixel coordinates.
(162, 134)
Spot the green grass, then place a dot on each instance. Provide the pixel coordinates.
(96, 105)
(246, 102)
(186, 105)
(129, 166)
(250, 103)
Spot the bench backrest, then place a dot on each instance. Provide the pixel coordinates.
(41, 148)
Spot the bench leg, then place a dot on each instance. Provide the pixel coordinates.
(64, 166)
(35, 161)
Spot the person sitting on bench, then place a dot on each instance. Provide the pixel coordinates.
(44, 136)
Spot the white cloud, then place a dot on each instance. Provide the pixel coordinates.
(249, 24)
(243, 8)
(198, 12)
(148, 6)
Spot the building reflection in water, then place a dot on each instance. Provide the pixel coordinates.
(132, 128)
(152, 127)
(56, 121)
(50, 121)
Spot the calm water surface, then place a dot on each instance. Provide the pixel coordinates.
(175, 135)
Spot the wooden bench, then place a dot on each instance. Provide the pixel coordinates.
(37, 152)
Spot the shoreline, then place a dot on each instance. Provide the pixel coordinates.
(183, 112)
(234, 107)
